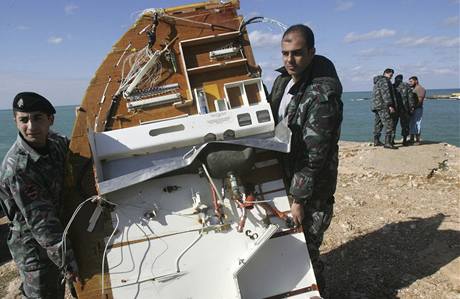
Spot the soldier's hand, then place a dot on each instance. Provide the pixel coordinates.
(297, 213)
(73, 277)
(71, 273)
(392, 110)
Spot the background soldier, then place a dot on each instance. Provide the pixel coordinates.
(31, 183)
(383, 106)
(307, 96)
(406, 104)
(416, 117)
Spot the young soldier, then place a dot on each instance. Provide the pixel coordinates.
(31, 184)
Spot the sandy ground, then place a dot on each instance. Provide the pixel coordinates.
(396, 229)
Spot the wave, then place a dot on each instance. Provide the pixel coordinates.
(360, 99)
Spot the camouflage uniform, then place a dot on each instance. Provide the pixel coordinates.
(314, 115)
(30, 191)
(382, 99)
(406, 103)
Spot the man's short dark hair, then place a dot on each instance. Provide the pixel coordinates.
(304, 31)
(389, 71)
(399, 77)
(413, 78)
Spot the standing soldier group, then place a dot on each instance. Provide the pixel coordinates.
(393, 102)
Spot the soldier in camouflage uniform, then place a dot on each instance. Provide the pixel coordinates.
(406, 104)
(31, 183)
(384, 106)
(307, 96)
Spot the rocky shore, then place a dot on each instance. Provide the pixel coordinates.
(453, 96)
(396, 229)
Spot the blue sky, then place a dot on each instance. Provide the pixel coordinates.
(54, 47)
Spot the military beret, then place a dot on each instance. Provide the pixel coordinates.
(30, 102)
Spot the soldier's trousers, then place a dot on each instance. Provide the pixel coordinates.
(40, 277)
(405, 122)
(383, 119)
(318, 216)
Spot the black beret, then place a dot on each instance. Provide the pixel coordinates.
(31, 102)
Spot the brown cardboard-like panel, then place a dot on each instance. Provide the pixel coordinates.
(253, 93)
(101, 110)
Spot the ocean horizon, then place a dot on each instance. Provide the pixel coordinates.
(441, 120)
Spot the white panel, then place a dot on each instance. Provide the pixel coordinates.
(159, 100)
(282, 265)
(137, 140)
(207, 268)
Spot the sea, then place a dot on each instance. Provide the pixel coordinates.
(441, 120)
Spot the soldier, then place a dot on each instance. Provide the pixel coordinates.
(406, 104)
(307, 96)
(383, 106)
(31, 183)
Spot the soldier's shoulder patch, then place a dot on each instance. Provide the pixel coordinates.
(323, 98)
(319, 93)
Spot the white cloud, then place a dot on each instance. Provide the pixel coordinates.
(271, 65)
(371, 52)
(431, 68)
(70, 9)
(343, 5)
(361, 77)
(309, 24)
(269, 79)
(445, 71)
(252, 14)
(264, 39)
(55, 40)
(376, 34)
(451, 21)
(439, 41)
(22, 27)
(355, 74)
(61, 90)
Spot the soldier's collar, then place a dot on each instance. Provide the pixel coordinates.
(300, 84)
(33, 153)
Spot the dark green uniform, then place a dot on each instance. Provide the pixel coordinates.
(406, 104)
(382, 100)
(30, 194)
(314, 116)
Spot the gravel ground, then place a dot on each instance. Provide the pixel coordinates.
(396, 229)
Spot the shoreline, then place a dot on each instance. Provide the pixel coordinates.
(442, 98)
(398, 143)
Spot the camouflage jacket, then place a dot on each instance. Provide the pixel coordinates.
(383, 95)
(405, 98)
(314, 116)
(31, 185)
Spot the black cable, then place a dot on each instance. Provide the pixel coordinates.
(250, 21)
